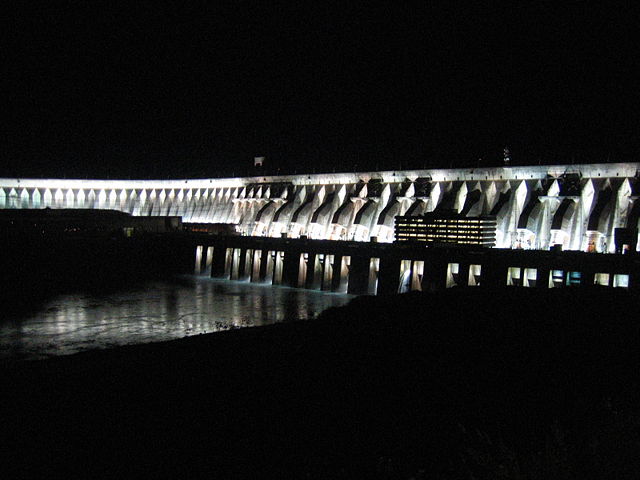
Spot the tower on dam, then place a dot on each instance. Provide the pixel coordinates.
(573, 207)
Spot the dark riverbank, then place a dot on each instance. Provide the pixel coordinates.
(39, 267)
(495, 384)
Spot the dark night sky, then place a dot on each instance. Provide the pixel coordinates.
(181, 91)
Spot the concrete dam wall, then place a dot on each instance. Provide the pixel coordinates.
(536, 207)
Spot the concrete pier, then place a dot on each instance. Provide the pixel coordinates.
(362, 268)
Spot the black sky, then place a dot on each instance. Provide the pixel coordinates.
(184, 90)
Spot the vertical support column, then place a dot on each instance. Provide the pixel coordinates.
(302, 270)
(235, 263)
(256, 265)
(587, 277)
(389, 275)
(345, 266)
(494, 274)
(318, 270)
(358, 275)
(337, 273)
(209, 260)
(242, 264)
(264, 261)
(542, 277)
(463, 275)
(272, 268)
(278, 266)
(309, 271)
(634, 278)
(218, 262)
(434, 277)
(327, 273)
(374, 269)
(291, 268)
(198, 260)
(203, 260)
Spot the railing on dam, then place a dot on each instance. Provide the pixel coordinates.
(376, 268)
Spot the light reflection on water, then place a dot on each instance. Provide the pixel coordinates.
(155, 312)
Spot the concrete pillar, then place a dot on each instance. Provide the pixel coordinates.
(359, 276)
(242, 266)
(335, 280)
(291, 268)
(198, 260)
(209, 259)
(434, 277)
(494, 275)
(327, 273)
(203, 259)
(542, 277)
(310, 277)
(218, 262)
(262, 276)
(235, 263)
(634, 279)
(388, 276)
(587, 278)
(256, 264)
(463, 275)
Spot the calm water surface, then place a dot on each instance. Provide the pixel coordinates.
(154, 312)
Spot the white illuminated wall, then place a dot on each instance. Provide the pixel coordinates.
(343, 207)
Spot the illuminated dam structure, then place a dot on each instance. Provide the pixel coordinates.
(536, 207)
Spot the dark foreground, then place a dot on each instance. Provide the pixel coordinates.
(465, 384)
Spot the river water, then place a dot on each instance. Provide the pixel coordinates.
(156, 311)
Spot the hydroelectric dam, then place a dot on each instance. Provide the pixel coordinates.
(335, 231)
